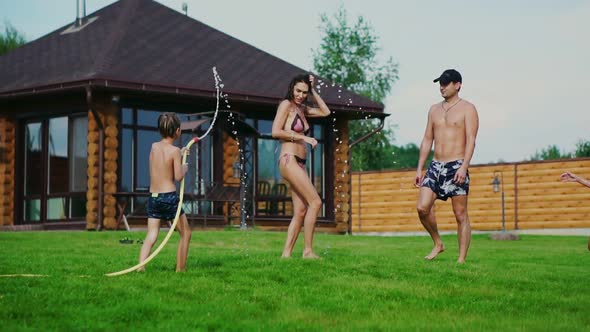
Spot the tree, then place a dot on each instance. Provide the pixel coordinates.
(582, 149)
(10, 39)
(549, 153)
(347, 56)
(406, 156)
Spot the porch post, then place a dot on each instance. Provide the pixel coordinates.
(342, 178)
(7, 171)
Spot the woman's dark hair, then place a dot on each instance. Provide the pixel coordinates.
(168, 123)
(303, 78)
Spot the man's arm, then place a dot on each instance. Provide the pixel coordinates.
(425, 148)
(571, 177)
(471, 127)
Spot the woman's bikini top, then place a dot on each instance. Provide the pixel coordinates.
(296, 124)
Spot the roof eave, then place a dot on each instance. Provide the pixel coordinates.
(150, 88)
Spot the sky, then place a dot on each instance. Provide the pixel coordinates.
(524, 62)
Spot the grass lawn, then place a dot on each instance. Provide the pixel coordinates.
(236, 281)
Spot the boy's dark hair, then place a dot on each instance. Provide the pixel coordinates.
(168, 123)
(303, 78)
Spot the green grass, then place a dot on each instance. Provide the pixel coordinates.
(236, 281)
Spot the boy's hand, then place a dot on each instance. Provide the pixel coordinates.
(184, 168)
(185, 149)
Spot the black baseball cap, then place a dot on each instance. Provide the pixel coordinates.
(448, 76)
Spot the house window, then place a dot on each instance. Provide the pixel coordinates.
(55, 163)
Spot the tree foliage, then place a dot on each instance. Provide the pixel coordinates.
(553, 152)
(347, 56)
(549, 153)
(10, 39)
(582, 149)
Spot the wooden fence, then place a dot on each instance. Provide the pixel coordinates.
(385, 201)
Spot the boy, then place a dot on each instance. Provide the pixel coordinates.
(165, 168)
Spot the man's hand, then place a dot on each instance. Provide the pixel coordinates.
(569, 177)
(460, 176)
(418, 179)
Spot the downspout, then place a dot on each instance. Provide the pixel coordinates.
(100, 157)
(357, 141)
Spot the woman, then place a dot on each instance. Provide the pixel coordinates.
(291, 127)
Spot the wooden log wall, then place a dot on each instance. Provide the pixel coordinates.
(533, 197)
(109, 116)
(7, 170)
(231, 154)
(111, 148)
(92, 172)
(341, 176)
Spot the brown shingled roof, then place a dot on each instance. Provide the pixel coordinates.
(144, 45)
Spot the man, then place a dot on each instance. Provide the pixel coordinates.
(571, 177)
(452, 127)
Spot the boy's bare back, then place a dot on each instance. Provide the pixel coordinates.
(165, 167)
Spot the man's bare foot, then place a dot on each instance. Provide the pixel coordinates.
(285, 256)
(460, 261)
(141, 269)
(310, 255)
(435, 251)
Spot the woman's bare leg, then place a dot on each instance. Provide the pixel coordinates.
(299, 210)
(301, 184)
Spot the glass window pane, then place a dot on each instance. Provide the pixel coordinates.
(33, 166)
(265, 127)
(140, 205)
(318, 174)
(148, 118)
(318, 132)
(79, 154)
(78, 207)
(318, 166)
(127, 116)
(56, 208)
(268, 168)
(32, 210)
(58, 155)
(145, 138)
(270, 183)
(199, 164)
(126, 159)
